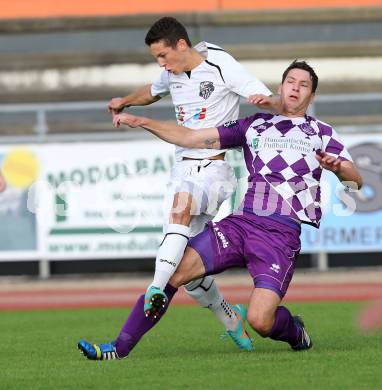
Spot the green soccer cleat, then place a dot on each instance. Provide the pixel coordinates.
(155, 301)
(98, 351)
(239, 335)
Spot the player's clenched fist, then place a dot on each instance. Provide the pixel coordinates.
(328, 162)
(116, 105)
(259, 99)
(126, 119)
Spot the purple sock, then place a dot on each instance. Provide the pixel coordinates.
(137, 324)
(284, 328)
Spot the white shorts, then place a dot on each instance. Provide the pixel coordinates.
(210, 182)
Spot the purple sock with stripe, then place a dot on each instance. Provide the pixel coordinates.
(137, 324)
(284, 328)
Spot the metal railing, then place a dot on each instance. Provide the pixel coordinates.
(42, 129)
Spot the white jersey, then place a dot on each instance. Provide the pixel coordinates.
(209, 95)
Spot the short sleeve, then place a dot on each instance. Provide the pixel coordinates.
(232, 133)
(332, 144)
(161, 86)
(241, 81)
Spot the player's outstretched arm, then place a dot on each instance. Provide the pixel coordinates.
(171, 132)
(344, 170)
(140, 97)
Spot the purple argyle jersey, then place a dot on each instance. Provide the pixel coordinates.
(266, 246)
(284, 175)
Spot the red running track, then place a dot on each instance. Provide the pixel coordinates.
(65, 298)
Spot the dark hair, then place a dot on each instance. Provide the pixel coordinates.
(169, 30)
(304, 66)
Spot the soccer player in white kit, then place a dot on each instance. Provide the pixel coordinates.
(205, 84)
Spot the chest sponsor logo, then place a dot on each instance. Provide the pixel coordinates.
(206, 89)
(307, 129)
(283, 144)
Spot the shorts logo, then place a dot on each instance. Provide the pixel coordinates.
(221, 237)
(168, 262)
(206, 89)
(275, 268)
(229, 124)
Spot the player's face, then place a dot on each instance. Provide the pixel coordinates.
(170, 58)
(296, 92)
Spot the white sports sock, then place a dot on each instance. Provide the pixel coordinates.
(206, 293)
(170, 253)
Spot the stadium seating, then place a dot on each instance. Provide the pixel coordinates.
(95, 58)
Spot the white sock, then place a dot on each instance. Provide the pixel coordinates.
(170, 253)
(206, 293)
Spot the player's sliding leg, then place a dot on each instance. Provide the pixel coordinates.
(137, 324)
(269, 319)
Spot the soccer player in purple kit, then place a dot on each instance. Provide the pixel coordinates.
(285, 155)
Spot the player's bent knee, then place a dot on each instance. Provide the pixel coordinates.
(179, 279)
(190, 268)
(261, 324)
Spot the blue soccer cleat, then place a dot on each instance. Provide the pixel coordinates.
(239, 335)
(306, 342)
(98, 351)
(155, 301)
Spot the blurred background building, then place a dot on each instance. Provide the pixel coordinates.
(60, 63)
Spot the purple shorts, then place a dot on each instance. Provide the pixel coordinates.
(266, 246)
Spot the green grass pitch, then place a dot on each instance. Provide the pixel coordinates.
(38, 351)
